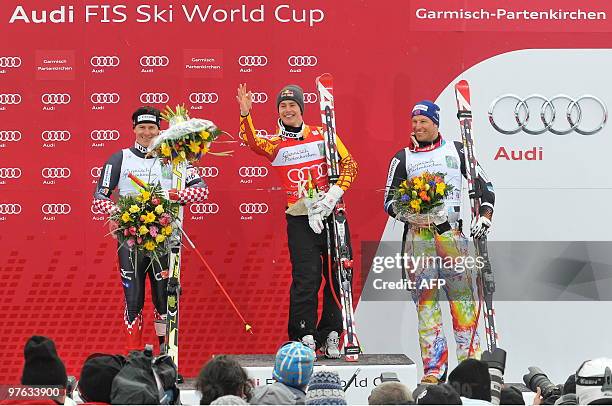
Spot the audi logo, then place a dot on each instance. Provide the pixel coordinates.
(207, 171)
(559, 115)
(206, 98)
(10, 208)
(300, 175)
(10, 61)
(253, 171)
(204, 208)
(10, 173)
(253, 208)
(10, 135)
(310, 98)
(261, 133)
(55, 173)
(259, 97)
(302, 60)
(104, 61)
(96, 171)
(154, 61)
(10, 98)
(104, 98)
(56, 208)
(55, 135)
(95, 210)
(55, 98)
(154, 97)
(252, 60)
(104, 135)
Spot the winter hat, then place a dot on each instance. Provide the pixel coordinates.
(325, 388)
(427, 109)
(291, 92)
(471, 379)
(42, 364)
(146, 114)
(293, 364)
(440, 394)
(511, 395)
(97, 376)
(594, 382)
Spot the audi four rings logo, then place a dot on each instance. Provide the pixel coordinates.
(104, 98)
(96, 171)
(302, 60)
(55, 173)
(55, 98)
(253, 171)
(154, 61)
(261, 133)
(252, 60)
(259, 97)
(310, 98)
(560, 115)
(10, 208)
(253, 208)
(56, 208)
(154, 97)
(104, 135)
(208, 171)
(204, 208)
(104, 61)
(205, 98)
(10, 173)
(10, 98)
(55, 135)
(10, 135)
(300, 175)
(10, 61)
(95, 210)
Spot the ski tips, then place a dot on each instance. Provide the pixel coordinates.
(248, 328)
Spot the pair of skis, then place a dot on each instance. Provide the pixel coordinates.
(339, 251)
(495, 356)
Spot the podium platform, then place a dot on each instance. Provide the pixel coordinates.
(259, 367)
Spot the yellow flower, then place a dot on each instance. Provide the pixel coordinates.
(165, 149)
(204, 134)
(205, 150)
(143, 230)
(160, 238)
(194, 146)
(134, 209)
(441, 188)
(418, 183)
(416, 204)
(150, 245)
(159, 209)
(126, 217)
(150, 217)
(167, 230)
(144, 196)
(177, 160)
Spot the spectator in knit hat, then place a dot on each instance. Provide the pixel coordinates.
(511, 395)
(221, 376)
(97, 376)
(325, 388)
(472, 381)
(440, 394)
(43, 367)
(390, 393)
(292, 370)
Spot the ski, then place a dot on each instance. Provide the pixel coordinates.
(339, 253)
(179, 173)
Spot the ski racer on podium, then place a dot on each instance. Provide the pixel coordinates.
(429, 151)
(135, 268)
(297, 151)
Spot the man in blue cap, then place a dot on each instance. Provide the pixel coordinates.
(440, 242)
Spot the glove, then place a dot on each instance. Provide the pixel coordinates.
(315, 220)
(326, 205)
(480, 227)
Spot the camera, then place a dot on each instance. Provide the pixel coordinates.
(551, 393)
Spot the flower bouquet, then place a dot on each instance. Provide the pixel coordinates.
(187, 139)
(146, 220)
(416, 199)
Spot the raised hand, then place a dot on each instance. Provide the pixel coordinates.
(245, 99)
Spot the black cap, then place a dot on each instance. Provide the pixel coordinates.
(97, 377)
(441, 394)
(42, 364)
(146, 114)
(291, 92)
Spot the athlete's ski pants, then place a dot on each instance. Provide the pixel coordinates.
(134, 267)
(308, 253)
(445, 254)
